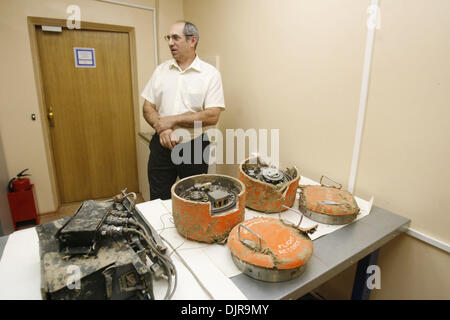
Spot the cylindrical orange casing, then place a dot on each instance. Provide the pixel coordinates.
(266, 197)
(194, 221)
(282, 246)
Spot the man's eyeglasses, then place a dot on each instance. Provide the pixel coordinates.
(176, 37)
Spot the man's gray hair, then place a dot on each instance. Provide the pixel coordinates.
(191, 29)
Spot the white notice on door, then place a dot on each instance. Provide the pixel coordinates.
(84, 57)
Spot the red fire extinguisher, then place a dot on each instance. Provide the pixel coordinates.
(19, 183)
(21, 199)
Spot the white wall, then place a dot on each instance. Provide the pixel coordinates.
(297, 65)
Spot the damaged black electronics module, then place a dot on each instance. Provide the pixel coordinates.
(106, 250)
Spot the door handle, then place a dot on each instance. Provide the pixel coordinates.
(51, 117)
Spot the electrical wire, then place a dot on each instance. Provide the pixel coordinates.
(170, 267)
(187, 267)
(179, 256)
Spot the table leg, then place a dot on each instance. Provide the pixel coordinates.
(360, 288)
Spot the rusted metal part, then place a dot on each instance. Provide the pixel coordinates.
(269, 249)
(328, 204)
(267, 197)
(195, 220)
(57, 269)
(80, 233)
(105, 250)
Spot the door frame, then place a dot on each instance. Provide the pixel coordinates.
(84, 25)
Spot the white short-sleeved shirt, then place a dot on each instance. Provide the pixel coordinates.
(174, 91)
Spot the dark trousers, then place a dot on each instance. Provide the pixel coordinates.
(163, 172)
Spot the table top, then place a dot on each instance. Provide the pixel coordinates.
(333, 253)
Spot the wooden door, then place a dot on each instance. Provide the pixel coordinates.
(92, 130)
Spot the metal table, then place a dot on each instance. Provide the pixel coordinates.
(333, 253)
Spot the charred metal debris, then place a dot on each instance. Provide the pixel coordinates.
(266, 173)
(106, 250)
(221, 197)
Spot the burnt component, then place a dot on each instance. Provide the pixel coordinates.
(79, 234)
(221, 200)
(273, 175)
(254, 171)
(220, 197)
(268, 174)
(198, 196)
(106, 250)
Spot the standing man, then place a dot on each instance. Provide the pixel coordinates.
(180, 92)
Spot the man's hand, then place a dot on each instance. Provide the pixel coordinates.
(168, 139)
(164, 123)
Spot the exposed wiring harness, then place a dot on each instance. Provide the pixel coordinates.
(121, 223)
(112, 230)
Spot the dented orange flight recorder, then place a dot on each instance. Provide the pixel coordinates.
(328, 204)
(206, 207)
(268, 188)
(270, 249)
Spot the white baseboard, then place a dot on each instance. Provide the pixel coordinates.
(423, 237)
